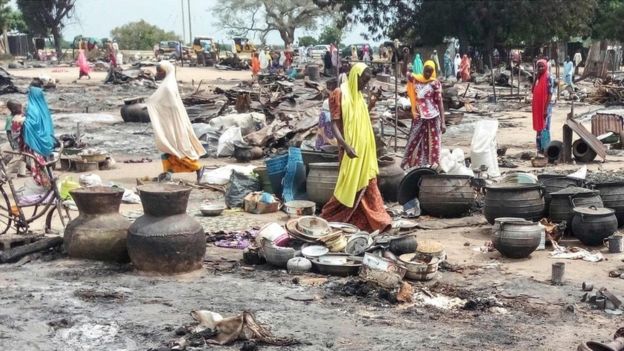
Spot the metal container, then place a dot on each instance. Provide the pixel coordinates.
(563, 202)
(446, 195)
(321, 181)
(553, 183)
(614, 243)
(612, 194)
(165, 239)
(136, 112)
(514, 200)
(100, 231)
(298, 208)
(390, 176)
(516, 237)
(419, 270)
(403, 245)
(591, 225)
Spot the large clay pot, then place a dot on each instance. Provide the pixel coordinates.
(516, 237)
(446, 195)
(165, 239)
(99, 232)
(389, 178)
(553, 183)
(514, 200)
(612, 194)
(321, 181)
(591, 225)
(135, 113)
(565, 200)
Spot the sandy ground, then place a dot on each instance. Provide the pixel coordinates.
(42, 307)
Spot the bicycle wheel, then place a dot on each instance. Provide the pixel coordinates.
(5, 211)
(55, 223)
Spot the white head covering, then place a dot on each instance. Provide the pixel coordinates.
(264, 63)
(170, 122)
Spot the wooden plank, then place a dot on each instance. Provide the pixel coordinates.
(15, 254)
(588, 137)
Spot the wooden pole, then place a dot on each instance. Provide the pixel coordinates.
(492, 77)
(396, 102)
(567, 138)
(511, 71)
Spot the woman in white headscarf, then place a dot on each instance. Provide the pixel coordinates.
(172, 128)
(456, 64)
(264, 62)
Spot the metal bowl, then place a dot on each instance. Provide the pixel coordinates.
(313, 226)
(211, 210)
(350, 268)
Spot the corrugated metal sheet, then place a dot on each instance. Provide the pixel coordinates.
(602, 123)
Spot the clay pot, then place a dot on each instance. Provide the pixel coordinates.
(99, 232)
(165, 239)
(389, 178)
(591, 225)
(516, 237)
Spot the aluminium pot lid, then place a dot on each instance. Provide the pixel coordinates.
(593, 210)
(574, 190)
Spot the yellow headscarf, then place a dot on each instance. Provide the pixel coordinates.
(356, 173)
(420, 78)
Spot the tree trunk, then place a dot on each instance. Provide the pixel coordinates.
(288, 35)
(56, 34)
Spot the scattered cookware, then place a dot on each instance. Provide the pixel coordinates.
(446, 195)
(311, 251)
(563, 201)
(418, 269)
(297, 208)
(275, 255)
(313, 226)
(403, 244)
(591, 225)
(358, 243)
(514, 200)
(211, 210)
(298, 265)
(350, 267)
(516, 237)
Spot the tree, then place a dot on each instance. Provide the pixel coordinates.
(140, 35)
(45, 17)
(478, 22)
(331, 34)
(242, 17)
(607, 23)
(15, 21)
(307, 41)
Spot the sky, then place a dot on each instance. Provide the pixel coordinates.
(96, 18)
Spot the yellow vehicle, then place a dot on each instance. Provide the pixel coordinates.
(243, 48)
(206, 50)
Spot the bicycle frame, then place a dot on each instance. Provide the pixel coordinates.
(49, 202)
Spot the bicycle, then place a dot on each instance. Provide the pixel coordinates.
(49, 204)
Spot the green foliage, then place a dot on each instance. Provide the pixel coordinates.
(331, 34)
(479, 22)
(140, 35)
(607, 23)
(45, 17)
(15, 21)
(307, 40)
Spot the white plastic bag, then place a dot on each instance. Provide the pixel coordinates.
(221, 176)
(89, 180)
(227, 141)
(130, 197)
(483, 147)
